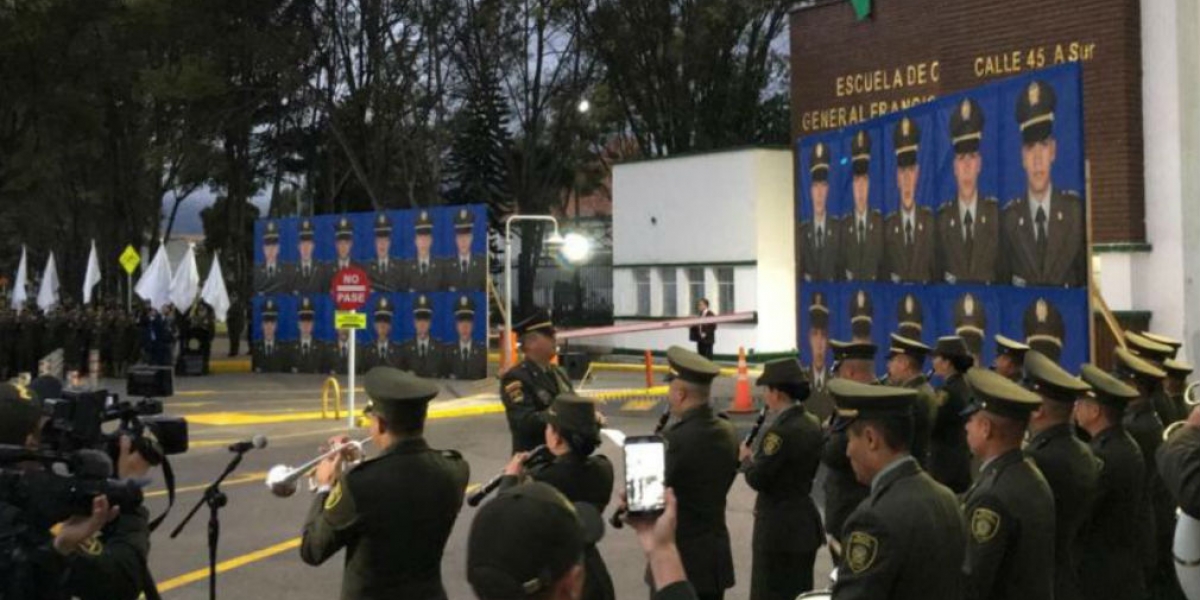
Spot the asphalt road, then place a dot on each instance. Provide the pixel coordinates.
(260, 532)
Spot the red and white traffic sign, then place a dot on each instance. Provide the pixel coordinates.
(351, 288)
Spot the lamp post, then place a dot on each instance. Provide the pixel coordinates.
(575, 246)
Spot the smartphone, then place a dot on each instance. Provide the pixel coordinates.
(645, 475)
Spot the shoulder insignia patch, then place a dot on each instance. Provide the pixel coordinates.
(335, 496)
(772, 443)
(942, 397)
(984, 524)
(861, 549)
(92, 546)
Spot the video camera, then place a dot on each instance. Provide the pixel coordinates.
(75, 421)
(47, 496)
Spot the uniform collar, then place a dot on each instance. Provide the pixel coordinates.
(1051, 432)
(704, 411)
(1115, 431)
(900, 468)
(916, 381)
(999, 462)
(407, 446)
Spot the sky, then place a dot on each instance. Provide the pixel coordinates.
(188, 222)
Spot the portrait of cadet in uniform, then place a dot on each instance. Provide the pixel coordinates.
(382, 351)
(337, 355)
(1010, 358)
(422, 354)
(1044, 328)
(819, 236)
(1067, 463)
(270, 277)
(1010, 511)
(909, 232)
(468, 358)
(1109, 545)
(464, 271)
(423, 273)
(969, 224)
(910, 323)
(907, 540)
(343, 244)
(862, 316)
(818, 340)
(1044, 232)
(308, 276)
(970, 322)
(307, 354)
(268, 355)
(393, 512)
(862, 234)
(386, 274)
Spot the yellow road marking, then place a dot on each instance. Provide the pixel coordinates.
(639, 404)
(229, 565)
(247, 478)
(239, 418)
(259, 392)
(283, 436)
(660, 390)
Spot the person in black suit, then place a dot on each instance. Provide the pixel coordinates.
(909, 234)
(818, 238)
(703, 335)
(1044, 230)
(969, 225)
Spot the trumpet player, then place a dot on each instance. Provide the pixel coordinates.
(572, 435)
(787, 525)
(392, 513)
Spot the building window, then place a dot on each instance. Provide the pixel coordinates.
(695, 276)
(725, 289)
(669, 297)
(641, 279)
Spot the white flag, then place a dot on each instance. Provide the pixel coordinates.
(154, 286)
(214, 290)
(48, 294)
(186, 282)
(19, 295)
(92, 277)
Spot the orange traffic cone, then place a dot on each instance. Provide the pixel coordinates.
(742, 402)
(649, 369)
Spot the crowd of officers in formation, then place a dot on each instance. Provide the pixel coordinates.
(122, 338)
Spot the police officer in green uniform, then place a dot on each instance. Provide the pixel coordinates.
(906, 368)
(949, 456)
(854, 361)
(386, 273)
(819, 237)
(270, 277)
(529, 540)
(1155, 353)
(528, 388)
(571, 438)
(702, 462)
(787, 525)
(423, 273)
(1110, 541)
(306, 275)
(269, 355)
(907, 540)
(1043, 231)
(968, 225)
(307, 354)
(1143, 423)
(392, 513)
(970, 323)
(464, 271)
(383, 351)
(1068, 465)
(422, 354)
(467, 358)
(862, 234)
(1010, 358)
(909, 233)
(1010, 510)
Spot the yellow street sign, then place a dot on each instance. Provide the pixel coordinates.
(130, 259)
(348, 319)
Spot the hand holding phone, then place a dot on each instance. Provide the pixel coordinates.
(645, 475)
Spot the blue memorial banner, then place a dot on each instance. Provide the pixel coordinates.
(428, 308)
(962, 216)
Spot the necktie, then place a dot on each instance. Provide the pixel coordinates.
(423, 267)
(908, 234)
(383, 349)
(1040, 219)
(463, 266)
(306, 271)
(820, 237)
(421, 349)
(861, 232)
(969, 231)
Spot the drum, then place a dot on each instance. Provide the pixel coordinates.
(1186, 551)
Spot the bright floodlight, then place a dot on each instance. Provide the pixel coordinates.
(584, 105)
(575, 247)
(555, 239)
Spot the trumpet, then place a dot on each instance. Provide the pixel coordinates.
(283, 480)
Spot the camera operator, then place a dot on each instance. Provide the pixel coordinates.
(102, 555)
